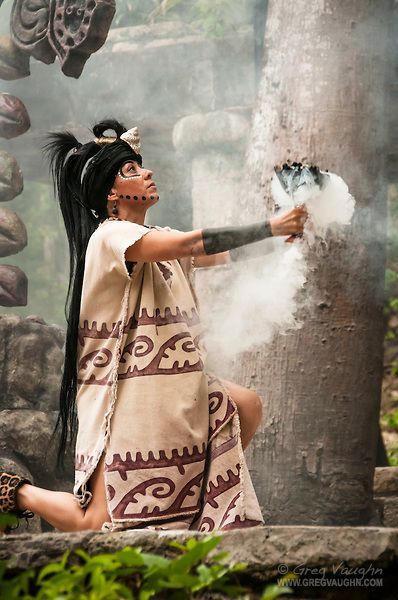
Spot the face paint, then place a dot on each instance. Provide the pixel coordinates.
(128, 171)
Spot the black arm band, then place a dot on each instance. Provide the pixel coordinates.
(220, 239)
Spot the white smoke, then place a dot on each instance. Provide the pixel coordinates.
(262, 301)
(331, 205)
(262, 295)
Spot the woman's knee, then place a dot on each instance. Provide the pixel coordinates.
(94, 522)
(253, 408)
(256, 406)
(248, 402)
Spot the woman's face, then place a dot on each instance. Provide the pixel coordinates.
(134, 185)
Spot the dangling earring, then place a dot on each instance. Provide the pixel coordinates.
(114, 209)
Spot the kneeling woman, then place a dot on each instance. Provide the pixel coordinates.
(158, 441)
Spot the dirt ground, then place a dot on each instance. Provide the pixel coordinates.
(389, 400)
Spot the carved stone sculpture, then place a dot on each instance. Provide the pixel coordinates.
(14, 64)
(14, 118)
(69, 29)
(11, 181)
(13, 237)
(14, 286)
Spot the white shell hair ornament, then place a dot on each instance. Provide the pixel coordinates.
(132, 138)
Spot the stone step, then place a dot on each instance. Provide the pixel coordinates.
(312, 553)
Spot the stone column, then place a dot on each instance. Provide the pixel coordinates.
(212, 146)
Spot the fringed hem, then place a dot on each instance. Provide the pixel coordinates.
(121, 524)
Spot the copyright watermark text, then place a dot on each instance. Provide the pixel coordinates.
(339, 575)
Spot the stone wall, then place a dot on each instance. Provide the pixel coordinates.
(31, 359)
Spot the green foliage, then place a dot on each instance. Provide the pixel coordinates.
(391, 277)
(277, 589)
(212, 17)
(218, 17)
(392, 304)
(390, 420)
(391, 272)
(131, 573)
(7, 519)
(133, 12)
(392, 454)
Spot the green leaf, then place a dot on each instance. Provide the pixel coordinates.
(130, 556)
(146, 593)
(49, 569)
(175, 544)
(220, 556)
(123, 591)
(274, 591)
(83, 554)
(154, 561)
(8, 519)
(205, 575)
(197, 550)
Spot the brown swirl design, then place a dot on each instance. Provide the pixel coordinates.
(174, 509)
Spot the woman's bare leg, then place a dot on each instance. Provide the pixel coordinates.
(249, 407)
(61, 510)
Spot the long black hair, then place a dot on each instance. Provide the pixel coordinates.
(82, 174)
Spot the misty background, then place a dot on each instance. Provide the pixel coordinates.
(188, 77)
(153, 70)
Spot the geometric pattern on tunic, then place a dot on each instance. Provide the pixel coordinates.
(158, 319)
(133, 359)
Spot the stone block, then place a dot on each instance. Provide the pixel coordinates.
(385, 481)
(263, 549)
(31, 360)
(390, 512)
(27, 434)
(387, 508)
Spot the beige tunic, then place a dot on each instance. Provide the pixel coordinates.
(169, 430)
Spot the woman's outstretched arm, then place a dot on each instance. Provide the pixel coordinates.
(161, 245)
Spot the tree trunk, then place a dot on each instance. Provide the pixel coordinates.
(322, 100)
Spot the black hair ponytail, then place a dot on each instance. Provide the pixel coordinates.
(82, 195)
(66, 156)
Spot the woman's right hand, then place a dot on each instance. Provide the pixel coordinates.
(289, 223)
